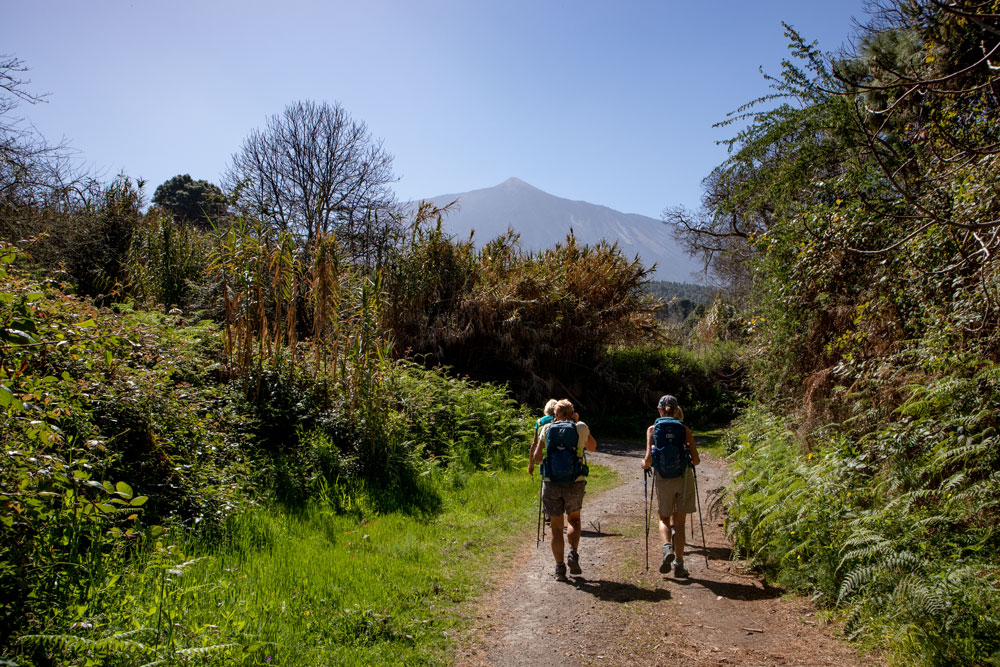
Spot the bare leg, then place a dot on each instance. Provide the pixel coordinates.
(557, 537)
(573, 530)
(678, 520)
(664, 529)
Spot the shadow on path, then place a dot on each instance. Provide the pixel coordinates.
(620, 448)
(617, 591)
(733, 591)
(714, 553)
(594, 533)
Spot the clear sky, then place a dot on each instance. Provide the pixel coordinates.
(608, 101)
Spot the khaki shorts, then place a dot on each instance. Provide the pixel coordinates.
(669, 493)
(559, 499)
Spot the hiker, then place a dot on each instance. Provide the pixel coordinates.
(670, 450)
(560, 447)
(547, 415)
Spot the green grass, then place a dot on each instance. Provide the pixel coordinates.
(710, 440)
(315, 588)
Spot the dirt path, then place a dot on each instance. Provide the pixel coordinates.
(617, 613)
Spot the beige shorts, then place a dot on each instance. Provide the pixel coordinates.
(675, 495)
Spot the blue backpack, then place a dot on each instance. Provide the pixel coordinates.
(670, 456)
(564, 462)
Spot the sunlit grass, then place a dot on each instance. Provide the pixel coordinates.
(710, 440)
(315, 588)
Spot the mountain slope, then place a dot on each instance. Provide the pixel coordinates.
(543, 219)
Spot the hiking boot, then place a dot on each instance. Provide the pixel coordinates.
(668, 558)
(681, 571)
(561, 572)
(574, 562)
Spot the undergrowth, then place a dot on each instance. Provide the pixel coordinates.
(897, 530)
(154, 511)
(307, 587)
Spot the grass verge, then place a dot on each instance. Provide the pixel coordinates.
(316, 588)
(710, 440)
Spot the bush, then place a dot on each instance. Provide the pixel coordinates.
(538, 322)
(631, 380)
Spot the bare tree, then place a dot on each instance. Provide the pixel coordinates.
(36, 177)
(314, 170)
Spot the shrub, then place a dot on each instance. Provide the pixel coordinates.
(538, 322)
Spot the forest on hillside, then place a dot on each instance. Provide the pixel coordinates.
(192, 381)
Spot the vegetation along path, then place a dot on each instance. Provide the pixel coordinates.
(618, 613)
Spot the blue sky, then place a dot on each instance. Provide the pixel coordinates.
(608, 102)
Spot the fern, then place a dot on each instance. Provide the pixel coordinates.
(858, 578)
(913, 594)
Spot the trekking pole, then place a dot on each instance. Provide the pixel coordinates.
(645, 478)
(682, 504)
(541, 525)
(704, 544)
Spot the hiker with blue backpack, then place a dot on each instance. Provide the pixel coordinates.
(671, 452)
(561, 448)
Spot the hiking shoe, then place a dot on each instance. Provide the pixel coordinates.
(574, 562)
(668, 558)
(561, 572)
(680, 570)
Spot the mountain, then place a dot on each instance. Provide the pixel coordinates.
(543, 219)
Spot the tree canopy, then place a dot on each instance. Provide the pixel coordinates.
(197, 202)
(313, 169)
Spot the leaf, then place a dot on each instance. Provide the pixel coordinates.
(87, 324)
(123, 489)
(139, 501)
(16, 336)
(6, 397)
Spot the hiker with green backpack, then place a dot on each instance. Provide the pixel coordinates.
(561, 448)
(548, 413)
(671, 452)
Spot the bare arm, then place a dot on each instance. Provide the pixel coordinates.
(648, 459)
(591, 444)
(695, 459)
(531, 454)
(537, 448)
